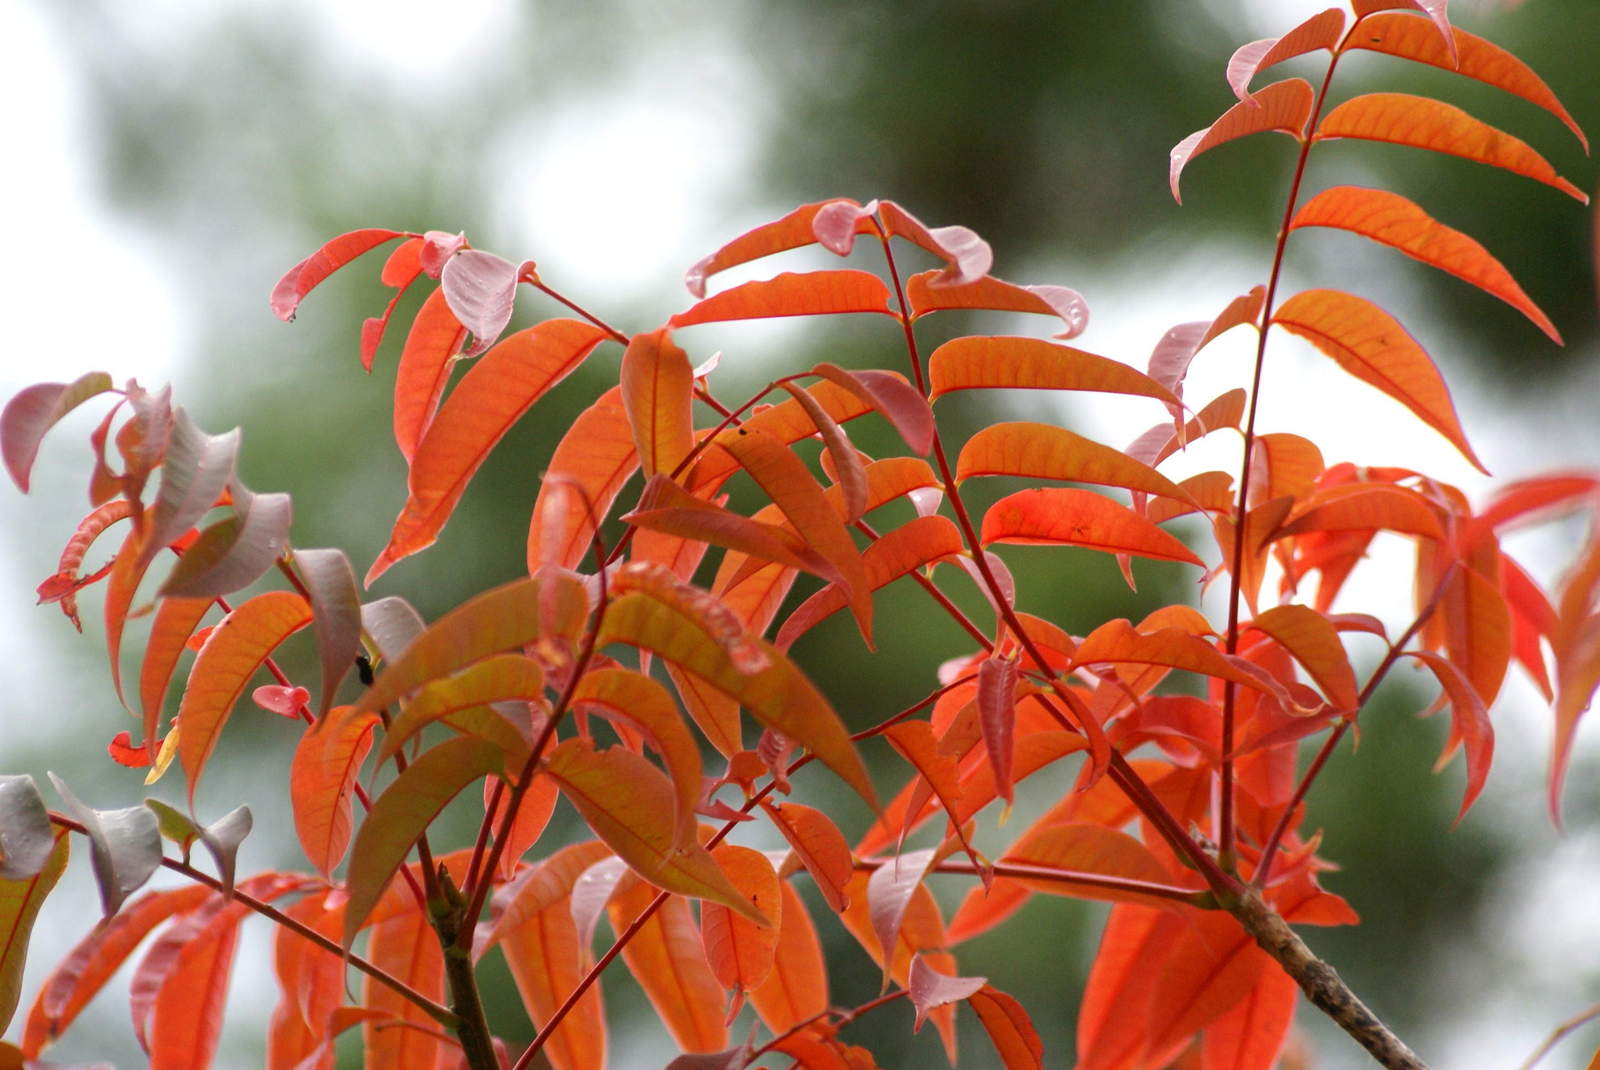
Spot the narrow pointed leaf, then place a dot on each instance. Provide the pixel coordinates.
(1321, 31)
(790, 232)
(1117, 642)
(1079, 518)
(797, 987)
(425, 362)
(1010, 1029)
(1477, 630)
(1365, 507)
(231, 655)
(1577, 677)
(20, 900)
(1252, 1034)
(545, 884)
(658, 394)
(991, 294)
(320, 780)
(778, 696)
(1434, 9)
(852, 476)
(1368, 343)
(185, 1022)
(334, 254)
(786, 421)
(629, 804)
(981, 363)
(403, 268)
(889, 893)
(408, 948)
(819, 845)
(336, 616)
(1089, 849)
(1390, 219)
(403, 812)
(644, 702)
(547, 962)
(668, 960)
(170, 631)
(813, 293)
(491, 397)
(1414, 39)
(596, 454)
(914, 742)
(666, 507)
(967, 257)
(929, 989)
(1314, 642)
(34, 411)
(899, 402)
(997, 715)
(714, 712)
(125, 846)
(1170, 360)
(500, 678)
(1425, 123)
(1282, 106)
(1042, 451)
(198, 467)
(740, 951)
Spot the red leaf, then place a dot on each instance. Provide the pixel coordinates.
(320, 779)
(819, 845)
(668, 960)
(1320, 31)
(1477, 630)
(1032, 364)
(335, 254)
(232, 654)
(1425, 123)
(1541, 496)
(186, 1021)
(658, 394)
(492, 396)
(924, 295)
(1315, 643)
(1364, 507)
(1010, 1029)
(1043, 451)
(425, 364)
(899, 402)
(548, 960)
(791, 232)
(399, 272)
(1283, 106)
(814, 293)
(914, 742)
(1390, 219)
(1089, 849)
(797, 987)
(929, 989)
(407, 947)
(1116, 641)
(666, 507)
(740, 951)
(597, 455)
(1470, 720)
(170, 634)
(997, 714)
(848, 470)
(1250, 1036)
(967, 257)
(283, 701)
(1368, 343)
(1414, 39)
(480, 288)
(1079, 518)
(34, 411)
(889, 893)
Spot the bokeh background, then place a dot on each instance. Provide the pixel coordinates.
(170, 160)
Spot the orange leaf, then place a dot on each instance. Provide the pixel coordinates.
(1314, 642)
(1368, 343)
(778, 695)
(740, 951)
(1209, 968)
(668, 960)
(1413, 39)
(1477, 630)
(1250, 1036)
(813, 293)
(1424, 123)
(434, 338)
(186, 1020)
(231, 655)
(501, 386)
(914, 742)
(629, 804)
(1010, 1029)
(921, 926)
(991, 294)
(981, 363)
(544, 885)
(320, 779)
(797, 987)
(175, 622)
(714, 713)
(1577, 676)
(643, 701)
(658, 393)
(1283, 106)
(1090, 849)
(1434, 9)
(1364, 507)
(1041, 451)
(889, 894)
(1116, 641)
(786, 421)
(1170, 360)
(1320, 31)
(1079, 518)
(501, 678)
(333, 255)
(596, 454)
(852, 477)
(1469, 719)
(1291, 466)
(819, 845)
(914, 544)
(791, 232)
(407, 947)
(666, 507)
(547, 962)
(1390, 219)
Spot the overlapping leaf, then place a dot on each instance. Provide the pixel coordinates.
(434, 339)
(668, 960)
(333, 255)
(320, 780)
(1079, 518)
(1282, 106)
(814, 293)
(646, 704)
(991, 294)
(1321, 31)
(20, 900)
(1043, 451)
(979, 363)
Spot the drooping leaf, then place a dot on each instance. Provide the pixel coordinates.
(668, 960)
(1425, 123)
(403, 268)
(1010, 1029)
(34, 411)
(629, 804)
(979, 363)
(1390, 219)
(26, 835)
(547, 962)
(1088, 849)
(658, 394)
(889, 890)
(967, 257)
(1414, 39)
(1368, 343)
(198, 467)
(334, 254)
(1209, 968)
(235, 551)
(336, 616)
(1117, 641)
(425, 363)
(666, 507)
(997, 715)
(913, 741)
(851, 476)
(1170, 360)
(170, 632)
(739, 950)
(480, 287)
(786, 421)
(813, 293)
(20, 900)
(1434, 9)
(797, 987)
(819, 845)
(403, 812)
(596, 454)
(646, 704)
(1314, 642)
(125, 846)
(1078, 518)
(778, 695)
(1321, 31)
(1283, 106)
(991, 294)
(232, 653)
(545, 884)
(1251, 1035)
(392, 624)
(320, 780)
(1469, 718)
(499, 678)
(407, 947)
(221, 840)
(792, 231)
(491, 397)
(1577, 677)
(1364, 507)
(1043, 451)
(1477, 630)
(929, 989)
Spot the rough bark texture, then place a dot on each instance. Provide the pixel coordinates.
(1321, 983)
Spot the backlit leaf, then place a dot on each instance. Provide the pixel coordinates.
(1210, 966)
(629, 804)
(170, 631)
(1010, 1029)
(1283, 106)
(797, 987)
(997, 715)
(1469, 719)
(1369, 344)
(545, 884)
(125, 846)
(1363, 507)
(403, 812)
(231, 655)
(491, 397)
(1078, 518)
(547, 962)
(403, 268)
(851, 476)
(1434, 9)
(1425, 123)
(1314, 642)
(1042, 451)
(1477, 630)
(320, 779)
(425, 363)
(914, 742)
(1413, 39)
(786, 421)
(1089, 849)
(1321, 31)
(819, 845)
(596, 454)
(501, 678)
(740, 951)
(668, 960)
(20, 900)
(185, 1021)
(406, 946)
(658, 394)
(1117, 642)
(899, 402)
(790, 232)
(1390, 219)
(334, 254)
(991, 294)
(967, 257)
(646, 704)
(34, 411)
(1031, 364)
(1251, 1035)
(664, 506)
(1170, 360)
(813, 293)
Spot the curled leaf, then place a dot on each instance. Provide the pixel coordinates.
(1282, 106)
